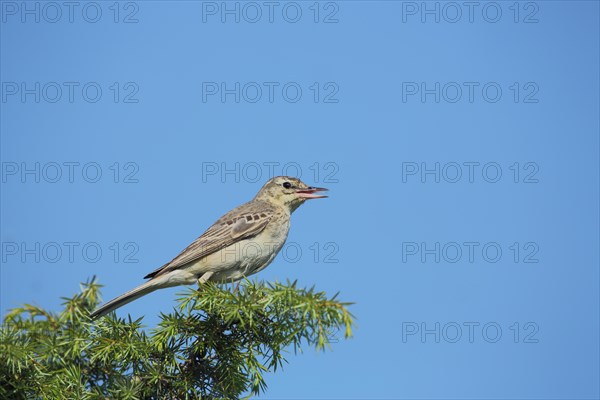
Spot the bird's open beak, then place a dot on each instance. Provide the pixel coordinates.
(309, 193)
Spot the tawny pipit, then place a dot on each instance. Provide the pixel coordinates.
(241, 243)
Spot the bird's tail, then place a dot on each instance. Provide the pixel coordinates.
(128, 297)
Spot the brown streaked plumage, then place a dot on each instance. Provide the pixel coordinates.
(240, 243)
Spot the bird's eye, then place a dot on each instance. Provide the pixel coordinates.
(287, 185)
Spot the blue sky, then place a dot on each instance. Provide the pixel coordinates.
(460, 145)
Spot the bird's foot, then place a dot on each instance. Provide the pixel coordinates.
(203, 279)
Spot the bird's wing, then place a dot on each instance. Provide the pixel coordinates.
(223, 233)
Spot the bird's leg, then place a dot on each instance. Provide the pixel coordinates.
(204, 278)
(237, 286)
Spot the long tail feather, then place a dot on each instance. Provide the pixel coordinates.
(128, 297)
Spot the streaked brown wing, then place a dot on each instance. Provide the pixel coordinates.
(217, 237)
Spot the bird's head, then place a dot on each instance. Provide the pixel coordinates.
(288, 191)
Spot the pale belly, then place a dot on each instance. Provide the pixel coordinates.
(237, 261)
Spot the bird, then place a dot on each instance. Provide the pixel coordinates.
(241, 243)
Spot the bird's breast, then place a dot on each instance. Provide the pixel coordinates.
(248, 256)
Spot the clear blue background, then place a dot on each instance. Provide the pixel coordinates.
(369, 133)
